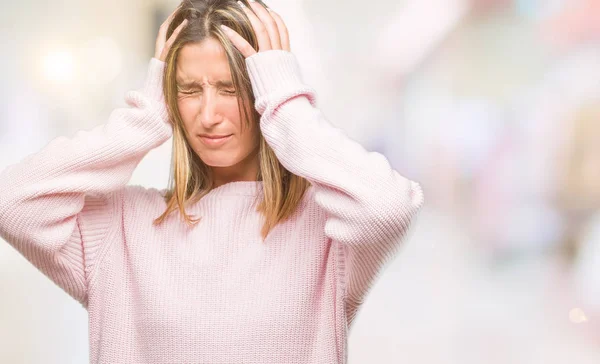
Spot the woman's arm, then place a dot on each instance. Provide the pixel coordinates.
(58, 205)
(369, 205)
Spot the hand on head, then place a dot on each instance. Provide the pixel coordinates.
(269, 28)
(162, 44)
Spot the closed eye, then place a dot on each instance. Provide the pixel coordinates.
(188, 91)
(226, 92)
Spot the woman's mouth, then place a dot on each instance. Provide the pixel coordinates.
(214, 140)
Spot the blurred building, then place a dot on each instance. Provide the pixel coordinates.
(493, 105)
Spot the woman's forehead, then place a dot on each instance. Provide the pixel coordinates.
(203, 62)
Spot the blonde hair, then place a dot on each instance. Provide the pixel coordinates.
(190, 177)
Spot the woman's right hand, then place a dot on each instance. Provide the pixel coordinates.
(162, 44)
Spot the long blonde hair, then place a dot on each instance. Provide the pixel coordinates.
(190, 177)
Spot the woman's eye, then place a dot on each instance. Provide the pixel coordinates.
(189, 92)
(229, 92)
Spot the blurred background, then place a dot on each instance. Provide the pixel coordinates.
(492, 105)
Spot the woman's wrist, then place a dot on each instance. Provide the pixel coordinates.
(273, 70)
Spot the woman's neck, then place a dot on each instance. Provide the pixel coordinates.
(245, 170)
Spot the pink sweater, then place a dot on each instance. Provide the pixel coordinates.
(213, 293)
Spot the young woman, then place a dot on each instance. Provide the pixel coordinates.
(271, 233)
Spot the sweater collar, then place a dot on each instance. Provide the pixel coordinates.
(237, 188)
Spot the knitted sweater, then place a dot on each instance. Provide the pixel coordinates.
(215, 292)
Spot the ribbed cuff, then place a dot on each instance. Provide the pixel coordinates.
(154, 80)
(273, 70)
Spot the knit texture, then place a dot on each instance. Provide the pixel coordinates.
(212, 293)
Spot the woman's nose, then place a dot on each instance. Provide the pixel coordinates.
(208, 111)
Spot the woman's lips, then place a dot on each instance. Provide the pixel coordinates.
(212, 142)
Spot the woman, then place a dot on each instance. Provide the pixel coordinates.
(281, 222)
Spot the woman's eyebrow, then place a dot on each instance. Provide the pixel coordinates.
(193, 84)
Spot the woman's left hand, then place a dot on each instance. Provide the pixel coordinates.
(269, 28)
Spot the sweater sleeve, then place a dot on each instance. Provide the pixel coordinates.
(369, 206)
(57, 206)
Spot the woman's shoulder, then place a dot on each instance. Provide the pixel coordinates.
(136, 195)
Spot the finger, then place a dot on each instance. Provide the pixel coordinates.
(164, 27)
(283, 31)
(262, 35)
(173, 37)
(170, 17)
(165, 24)
(177, 30)
(269, 23)
(239, 42)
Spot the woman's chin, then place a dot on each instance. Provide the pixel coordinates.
(218, 161)
(218, 164)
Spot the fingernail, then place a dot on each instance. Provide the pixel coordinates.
(252, 1)
(241, 4)
(225, 28)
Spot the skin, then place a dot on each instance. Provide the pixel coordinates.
(208, 104)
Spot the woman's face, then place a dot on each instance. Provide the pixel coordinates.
(208, 105)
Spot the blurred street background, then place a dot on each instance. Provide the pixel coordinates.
(492, 105)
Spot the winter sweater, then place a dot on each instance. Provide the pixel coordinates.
(212, 293)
